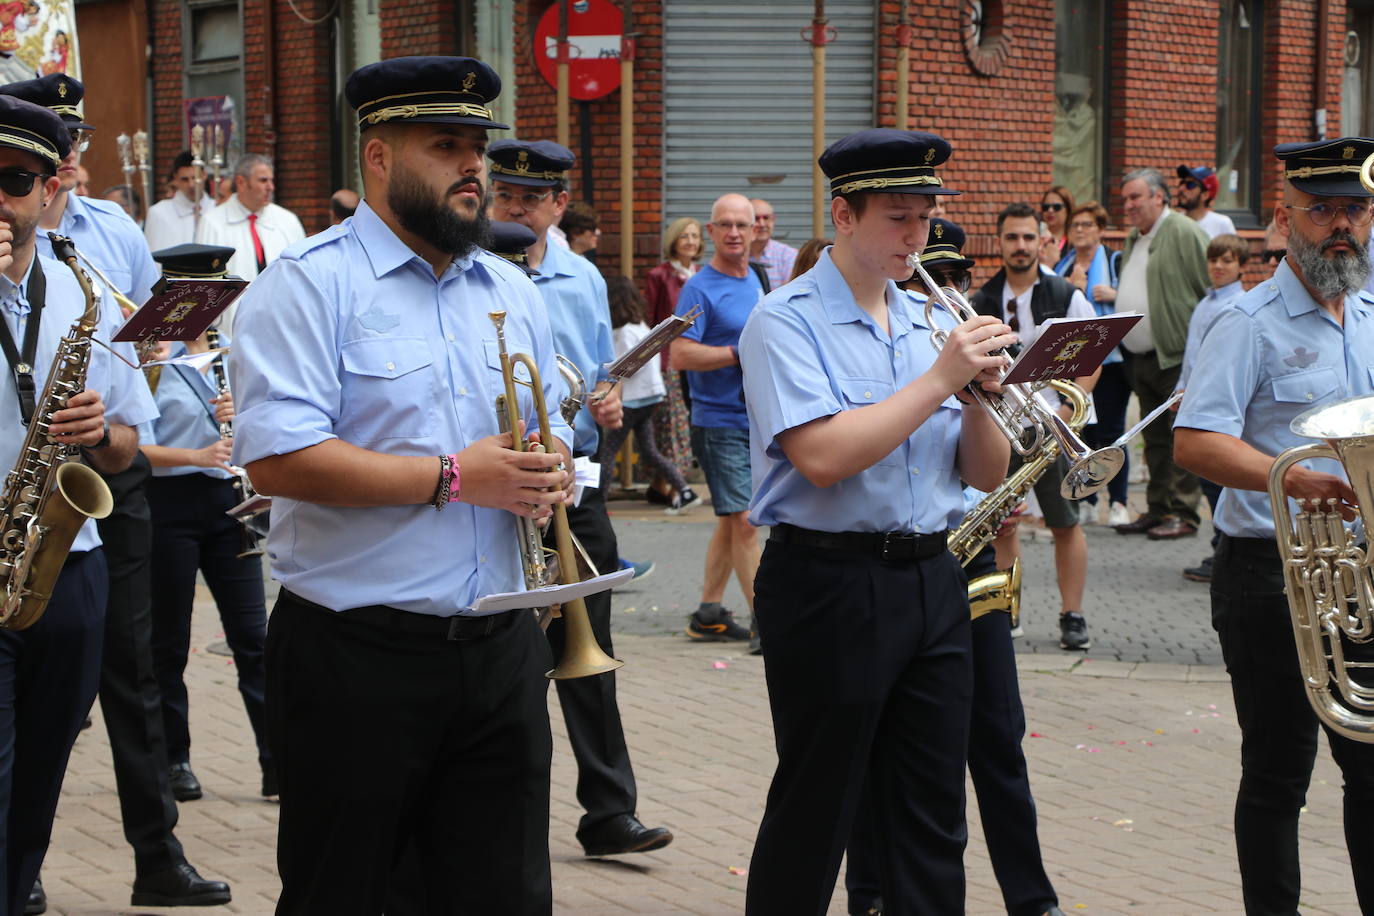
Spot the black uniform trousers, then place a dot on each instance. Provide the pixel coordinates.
(402, 749)
(194, 533)
(870, 680)
(1279, 734)
(129, 698)
(48, 678)
(1000, 777)
(605, 781)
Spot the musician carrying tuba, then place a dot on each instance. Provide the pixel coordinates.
(1289, 363)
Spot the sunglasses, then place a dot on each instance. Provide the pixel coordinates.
(1189, 184)
(17, 182)
(1051, 208)
(1273, 254)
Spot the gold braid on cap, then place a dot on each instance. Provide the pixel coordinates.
(1316, 171)
(425, 108)
(66, 110)
(877, 184)
(9, 137)
(523, 171)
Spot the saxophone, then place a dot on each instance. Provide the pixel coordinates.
(36, 530)
(1001, 590)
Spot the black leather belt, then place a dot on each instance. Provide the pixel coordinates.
(1263, 548)
(452, 629)
(885, 545)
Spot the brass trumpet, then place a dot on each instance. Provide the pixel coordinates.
(582, 657)
(1327, 575)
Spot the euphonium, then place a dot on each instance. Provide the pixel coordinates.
(36, 531)
(1089, 470)
(1001, 590)
(1327, 575)
(582, 657)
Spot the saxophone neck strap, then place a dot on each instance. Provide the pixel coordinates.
(21, 361)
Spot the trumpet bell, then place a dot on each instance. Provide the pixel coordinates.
(1092, 473)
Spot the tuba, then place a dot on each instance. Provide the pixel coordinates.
(1327, 575)
(582, 657)
(36, 529)
(1001, 590)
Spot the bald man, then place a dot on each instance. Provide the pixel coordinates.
(342, 204)
(726, 291)
(777, 259)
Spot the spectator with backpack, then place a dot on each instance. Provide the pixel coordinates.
(1092, 268)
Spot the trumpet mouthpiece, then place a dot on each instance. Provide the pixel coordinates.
(913, 260)
(497, 318)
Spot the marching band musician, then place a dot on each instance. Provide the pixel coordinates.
(858, 442)
(1303, 338)
(50, 671)
(402, 721)
(192, 490)
(106, 235)
(998, 724)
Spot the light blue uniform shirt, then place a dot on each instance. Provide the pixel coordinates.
(1204, 315)
(122, 388)
(1271, 355)
(350, 335)
(575, 294)
(106, 235)
(187, 418)
(809, 351)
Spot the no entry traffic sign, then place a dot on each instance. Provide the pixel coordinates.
(595, 29)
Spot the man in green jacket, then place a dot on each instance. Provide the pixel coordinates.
(1163, 276)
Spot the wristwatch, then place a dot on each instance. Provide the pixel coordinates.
(104, 440)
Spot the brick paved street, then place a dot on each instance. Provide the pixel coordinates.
(1133, 757)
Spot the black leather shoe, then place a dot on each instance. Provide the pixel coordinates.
(1141, 525)
(185, 786)
(179, 885)
(623, 833)
(1170, 529)
(38, 900)
(270, 791)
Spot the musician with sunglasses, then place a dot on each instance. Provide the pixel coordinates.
(1197, 188)
(858, 442)
(1303, 338)
(129, 698)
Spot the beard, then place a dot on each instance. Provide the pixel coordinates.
(1331, 277)
(430, 217)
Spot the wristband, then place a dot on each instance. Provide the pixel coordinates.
(444, 488)
(455, 481)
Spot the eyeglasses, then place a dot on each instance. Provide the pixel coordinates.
(1051, 208)
(17, 182)
(81, 139)
(528, 201)
(1321, 213)
(1273, 254)
(1081, 224)
(726, 225)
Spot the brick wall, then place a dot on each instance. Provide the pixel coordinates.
(410, 28)
(168, 86)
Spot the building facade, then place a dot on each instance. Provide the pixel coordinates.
(1031, 93)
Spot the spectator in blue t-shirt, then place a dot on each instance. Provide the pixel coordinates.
(726, 290)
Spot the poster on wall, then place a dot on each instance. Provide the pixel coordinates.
(37, 36)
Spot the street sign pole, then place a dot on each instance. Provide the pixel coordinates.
(627, 143)
(562, 63)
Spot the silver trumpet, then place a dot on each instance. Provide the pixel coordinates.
(1090, 470)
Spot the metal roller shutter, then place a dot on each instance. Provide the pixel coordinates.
(737, 92)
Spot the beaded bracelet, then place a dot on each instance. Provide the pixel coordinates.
(455, 482)
(444, 490)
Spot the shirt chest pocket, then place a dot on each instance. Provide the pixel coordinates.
(388, 389)
(496, 384)
(860, 392)
(1313, 386)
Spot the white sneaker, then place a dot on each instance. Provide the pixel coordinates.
(1087, 513)
(1119, 515)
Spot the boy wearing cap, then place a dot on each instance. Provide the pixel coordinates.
(1301, 339)
(49, 671)
(406, 725)
(1197, 188)
(858, 444)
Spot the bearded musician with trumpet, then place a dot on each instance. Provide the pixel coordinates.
(404, 723)
(1302, 340)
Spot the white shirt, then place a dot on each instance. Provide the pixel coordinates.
(1215, 224)
(648, 381)
(227, 225)
(1133, 291)
(173, 221)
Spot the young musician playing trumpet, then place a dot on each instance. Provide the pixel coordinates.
(859, 438)
(192, 489)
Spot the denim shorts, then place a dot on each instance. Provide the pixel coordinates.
(723, 453)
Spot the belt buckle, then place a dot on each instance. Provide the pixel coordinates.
(886, 552)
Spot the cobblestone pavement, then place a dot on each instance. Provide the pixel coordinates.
(1133, 753)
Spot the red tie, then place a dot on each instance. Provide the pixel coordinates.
(257, 242)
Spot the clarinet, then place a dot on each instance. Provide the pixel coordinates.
(251, 543)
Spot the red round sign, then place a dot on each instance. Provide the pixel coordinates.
(594, 33)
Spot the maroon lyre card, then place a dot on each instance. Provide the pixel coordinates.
(182, 310)
(1070, 348)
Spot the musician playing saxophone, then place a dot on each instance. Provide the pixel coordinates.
(50, 671)
(365, 375)
(1303, 338)
(858, 442)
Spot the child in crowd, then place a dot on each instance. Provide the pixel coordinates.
(641, 394)
(1226, 257)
